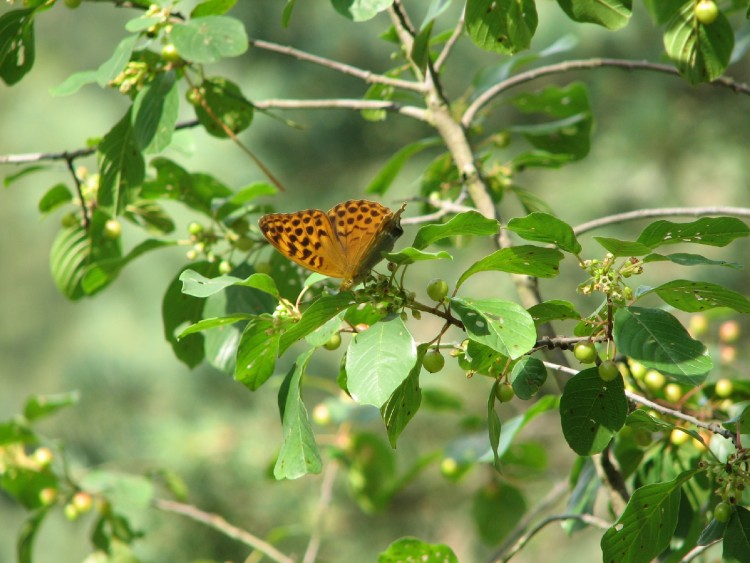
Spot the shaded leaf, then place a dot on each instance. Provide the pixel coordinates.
(467, 223)
(543, 227)
(525, 259)
(404, 402)
(502, 27)
(299, 453)
(407, 550)
(712, 231)
(700, 296)
(207, 39)
(390, 170)
(612, 14)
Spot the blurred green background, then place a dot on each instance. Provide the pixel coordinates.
(658, 141)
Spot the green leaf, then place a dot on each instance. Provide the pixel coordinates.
(494, 427)
(686, 259)
(420, 49)
(699, 296)
(27, 533)
(122, 490)
(712, 231)
(212, 8)
(496, 509)
(737, 536)
(228, 106)
(504, 326)
(17, 48)
(404, 402)
(240, 199)
(73, 83)
(197, 191)
(316, 315)
(69, 257)
(105, 269)
(360, 10)
(377, 92)
(657, 340)
(286, 15)
(178, 309)
(623, 247)
(197, 285)
(109, 69)
(526, 259)
(154, 113)
(23, 172)
(41, 406)
(121, 165)
(324, 333)
(208, 39)
(388, 173)
(502, 27)
(592, 411)
(612, 14)
(408, 550)
(661, 11)
(378, 360)
(553, 310)
(639, 419)
(645, 527)
(410, 255)
(543, 227)
(256, 353)
(527, 377)
(152, 216)
(700, 52)
(215, 322)
(512, 427)
(57, 195)
(299, 453)
(463, 224)
(569, 136)
(12, 432)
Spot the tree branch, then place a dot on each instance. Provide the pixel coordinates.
(366, 75)
(587, 64)
(443, 56)
(589, 519)
(326, 493)
(218, 523)
(340, 103)
(660, 212)
(714, 427)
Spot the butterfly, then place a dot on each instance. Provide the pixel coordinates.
(344, 243)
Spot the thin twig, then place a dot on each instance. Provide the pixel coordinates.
(340, 103)
(443, 56)
(587, 64)
(586, 518)
(714, 427)
(698, 550)
(444, 207)
(218, 523)
(326, 494)
(660, 212)
(550, 499)
(366, 75)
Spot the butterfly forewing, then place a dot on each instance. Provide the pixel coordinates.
(307, 238)
(357, 224)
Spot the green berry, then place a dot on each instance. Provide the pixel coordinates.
(608, 370)
(729, 332)
(724, 388)
(504, 392)
(706, 11)
(47, 496)
(672, 392)
(244, 244)
(437, 289)
(82, 502)
(195, 228)
(69, 220)
(722, 512)
(72, 4)
(225, 267)
(638, 370)
(433, 361)
(333, 342)
(585, 352)
(654, 380)
(170, 53)
(112, 229)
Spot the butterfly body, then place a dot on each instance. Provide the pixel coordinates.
(344, 243)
